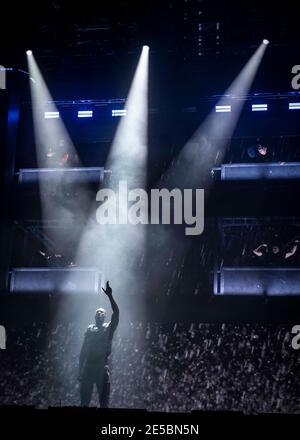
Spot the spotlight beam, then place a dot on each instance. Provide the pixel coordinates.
(197, 158)
(52, 138)
(128, 154)
(117, 248)
(45, 133)
(193, 166)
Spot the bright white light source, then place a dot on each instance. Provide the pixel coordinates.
(51, 115)
(223, 108)
(119, 112)
(85, 114)
(294, 106)
(266, 41)
(259, 107)
(28, 52)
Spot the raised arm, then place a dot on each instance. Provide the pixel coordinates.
(258, 251)
(115, 315)
(293, 250)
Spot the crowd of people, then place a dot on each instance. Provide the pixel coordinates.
(261, 245)
(275, 149)
(179, 367)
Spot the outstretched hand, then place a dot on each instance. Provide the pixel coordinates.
(108, 289)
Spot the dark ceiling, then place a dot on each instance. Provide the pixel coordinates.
(189, 29)
(186, 37)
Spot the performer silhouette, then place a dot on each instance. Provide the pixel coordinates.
(96, 348)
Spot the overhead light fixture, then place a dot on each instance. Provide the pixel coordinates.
(85, 114)
(119, 112)
(294, 105)
(223, 108)
(259, 107)
(28, 52)
(51, 115)
(265, 41)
